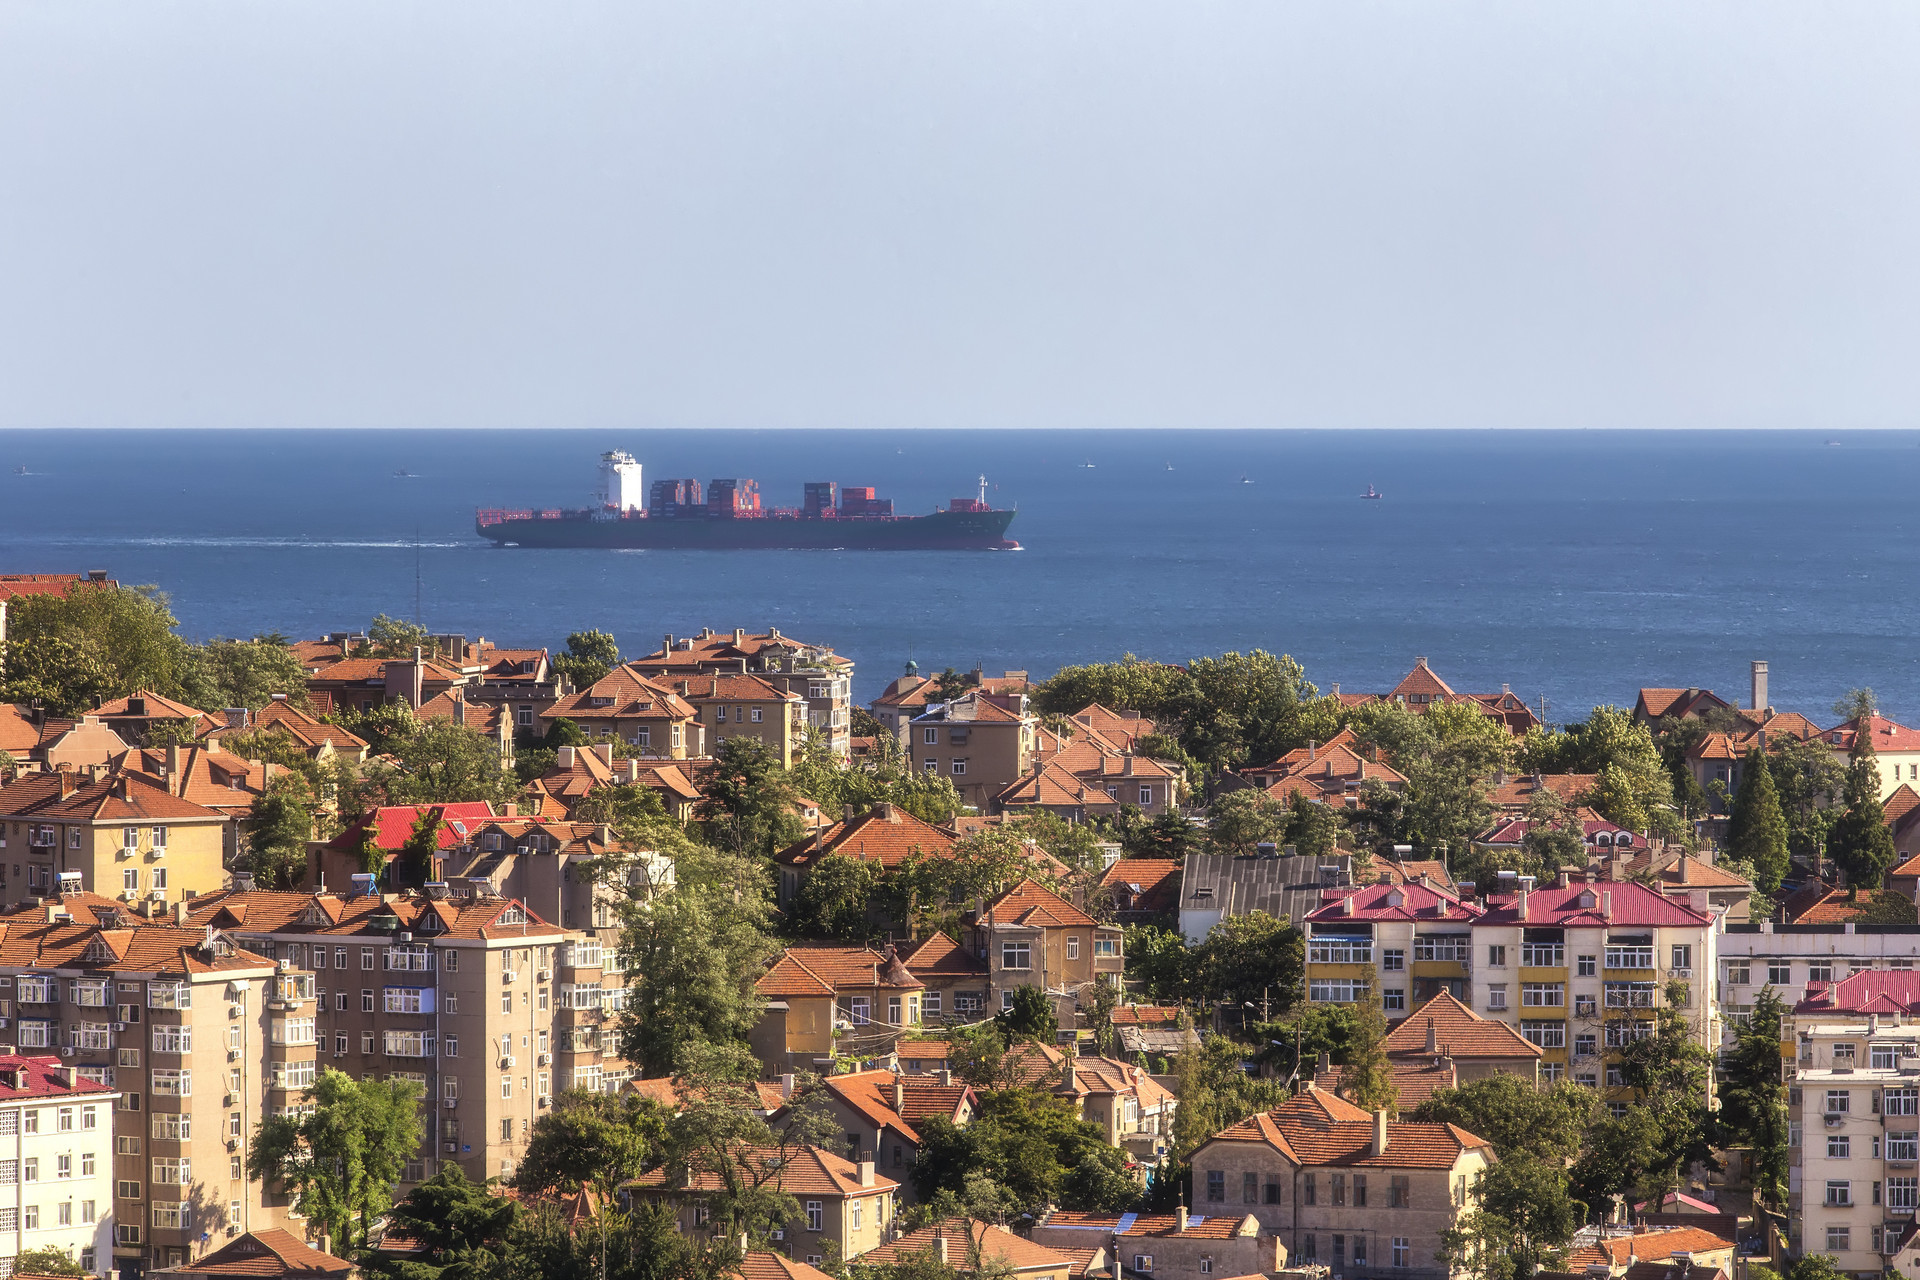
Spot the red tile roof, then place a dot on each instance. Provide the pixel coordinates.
(1586, 906)
(1835, 906)
(941, 957)
(123, 797)
(25, 1076)
(1317, 1128)
(1651, 1246)
(887, 834)
(1415, 1080)
(1457, 1031)
(28, 940)
(1150, 884)
(1886, 735)
(1863, 992)
(821, 969)
(871, 1094)
(1146, 1015)
(1017, 1253)
(272, 1252)
(760, 1264)
(1409, 901)
(624, 694)
(807, 1171)
(157, 708)
(261, 912)
(392, 825)
(1029, 903)
(1161, 1226)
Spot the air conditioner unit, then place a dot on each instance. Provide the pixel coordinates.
(449, 1103)
(543, 1059)
(452, 1148)
(233, 1144)
(545, 1101)
(507, 1061)
(3, 1022)
(226, 1099)
(779, 1234)
(1835, 1121)
(66, 1051)
(506, 975)
(118, 1026)
(156, 895)
(233, 1055)
(235, 1010)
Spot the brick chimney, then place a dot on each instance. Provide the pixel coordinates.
(866, 1173)
(899, 1096)
(175, 784)
(69, 783)
(418, 677)
(1380, 1132)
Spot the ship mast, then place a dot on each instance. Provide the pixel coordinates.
(983, 491)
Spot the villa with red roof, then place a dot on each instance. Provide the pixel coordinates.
(846, 1207)
(1322, 1174)
(1422, 687)
(1680, 704)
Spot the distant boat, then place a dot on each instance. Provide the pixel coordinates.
(1371, 493)
(404, 474)
(1087, 465)
(1169, 466)
(20, 470)
(1245, 480)
(1833, 444)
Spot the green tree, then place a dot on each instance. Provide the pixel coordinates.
(1619, 1159)
(48, 1260)
(1240, 821)
(587, 1137)
(1856, 704)
(1313, 828)
(95, 643)
(1634, 779)
(1252, 708)
(1164, 694)
(1753, 1100)
(278, 826)
(564, 732)
(1447, 754)
(1214, 1091)
(884, 775)
(591, 656)
(750, 799)
(1812, 1266)
(461, 1226)
(413, 865)
(693, 955)
(1516, 1117)
(1757, 831)
(393, 638)
(1032, 1150)
(1168, 834)
(1307, 1032)
(1368, 1079)
(1888, 907)
(1669, 1072)
(1160, 963)
(1521, 1224)
(950, 684)
(1030, 1016)
(1252, 959)
(1809, 781)
(243, 673)
(1860, 843)
(342, 1159)
(832, 901)
(448, 763)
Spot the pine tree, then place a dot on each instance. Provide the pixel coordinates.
(1860, 843)
(1757, 831)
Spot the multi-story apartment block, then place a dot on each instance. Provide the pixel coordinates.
(846, 1208)
(141, 1010)
(489, 1008)
(649, 716)
(1854, 1111)
(1031, 936)
(975, 742)
(738, 705)
(1577, 967)
(1360, 1193)
(1796, 958)
(812, 671)
(121, 836)
(56, 1161)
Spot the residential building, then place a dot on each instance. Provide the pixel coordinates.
(272, 1254)
(579, 771)
(131, 1007)
(388, 828)
(1144, 890)
(1422, 687)
(1032, 936)
(1580, 967)
(1409, 942)
(1680, 704)
(205, 775)
(760, 1264)
(1332, 771)
(1360, 1193)
(135, 718)
(1796, 959)
(1896, 748)
(887, 834)
(1618, 1253)
(953, 978)
(1134, 1111)
(1853, 1128)
(913, 693)
(56, 1142)
(491, 721)
(975, 743)
(1150, 1031)
(320, 740)
(738, 705)
(812, 671)
(969, 1246)
(489, 1008)
(36, 740)
(878, 1112)
(117, 836)
(845, 1207)
(549, 866)
(1171, 1244)
(651, 717)
(1474, 1047)
(16, 586)
(826, 999)
(362, 684)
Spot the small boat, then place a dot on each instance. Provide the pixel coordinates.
(20, 470)
(1245, 480)
(1087, 465)
(404, 474)
(1169, 466)
(1371, 493)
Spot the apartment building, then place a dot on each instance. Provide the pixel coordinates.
(1410, 942)
(879, 1111)
(1031, 936)
(829, 999)
(121, 836)
(56, 1161)
(976, 743)
(738, 705)
(845, 1206)
(813, 671)
(1357, 1192)
(139, 1009)
(1133, 1110)
(485, 1005)
(649, 716)
(1854, 1111)
(1795, 959)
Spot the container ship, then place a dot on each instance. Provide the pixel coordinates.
(727, 515)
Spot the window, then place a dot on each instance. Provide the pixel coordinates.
(1585, 1045)
(1146, 795)
(1682, 957)
(1143, 1262)
(1547, 1035)
(1839, 1239)
(1553, 1072)
(1015, 955)
(1451, 948)
(930, 737)
(1820, 971)
(1393, 960)
(1885, 1057)
(1779, 973)
(1337, 1189)
(1543, 995)
(1206, 1265)
(1585, 966)
(1105, 947)
(1840, 1147)
(1901, 1102)
(1630, 953)
(959, 768)
(1497, 995)
(1336, 990)
(1073, 948)
(173, 1126)
(1496, 957)
(1737, 973)
(1903, 1193)
(1400, 1191)
(1543, 955)
(1839, 1102)
(1394, 999)
(1402, 1252)
(407, 999)
(1309, 1252)
(1360, 1251)
(172, 1173)
(1629, 995)
(506, 1091)
(173, 1084)
(172, 1039)
(1903, 1146)
(1336, 949)
(1839, 1192)
(816, 1216)
(1216, 1186)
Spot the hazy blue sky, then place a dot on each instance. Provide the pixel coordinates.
(1031, 213)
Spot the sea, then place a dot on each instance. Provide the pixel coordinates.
(1572, 567)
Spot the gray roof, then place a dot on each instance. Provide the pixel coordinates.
(1238, 886)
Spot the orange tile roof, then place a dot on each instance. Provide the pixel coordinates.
(1421, 682)
(996, 1244)
(1886, 735)
(1145, 1015)
(309, 731)
(1457, 1031)
(1054, 785)
(1414, 1080)
(124, 797)
(1153, 883)
(207, 776)
(808, 1171)
(819, 969)
(1835, 906)
(760, 1264)
(1223, 1226)
(20, 736)
(887, 834)
(940, 956)
(1029, 903)
(158, 708)
(481, 717)
(14, 585)
(1317, 1128)
(272, 1252)
(718, 686)
(1902, 801)
(871, 1094)
(671, 1093)
(267, 911)
(1652, 1246)
(1122, 729)
(134, 947)
(1516, 792)
(623, 694)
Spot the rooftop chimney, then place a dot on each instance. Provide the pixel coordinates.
(866, 1173)
(1183, 1217)
(1759, 692)
(899, 1096)
(418, 676)
(1433, 1038)
(174, 783)
(1380, 1132)
(1606, 905)
(939, 1246)
(563, 758)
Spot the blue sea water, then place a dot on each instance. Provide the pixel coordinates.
(1572, 566)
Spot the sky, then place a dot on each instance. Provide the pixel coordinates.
(1006, 213)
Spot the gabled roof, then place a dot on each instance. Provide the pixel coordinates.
(1162, 1226)
(452, 705)
(305, 729)
(1145, 1015)
(1884, 734)
(1835, 906)
(1862, 992)
(871, 1094)
(1516, 792)
(886, 834)
(1655, 703)
(822, 969)
(941, 957)
(157, 708)
(272, 1252)
(1420, 682)
(123, 797)
(1650, 1246)
(808, 1171)
(20, 736)
(1317, 1128)
(762, 1264)
(1017, 1253)
(1409, 901)
(736, 686)
(623, 693)
(1152, 883)
(206, 776)
(969, 708)
(24, 1076)
(28, 940)
(392, 825)
(1415, 1080)
(1610, 904)
(1457, 1032)
(1055, 785)
(267, 911)
(1029, 904)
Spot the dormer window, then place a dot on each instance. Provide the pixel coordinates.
(1586, 901)
(1395, 898)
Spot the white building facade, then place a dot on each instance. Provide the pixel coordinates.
(56, 1163)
